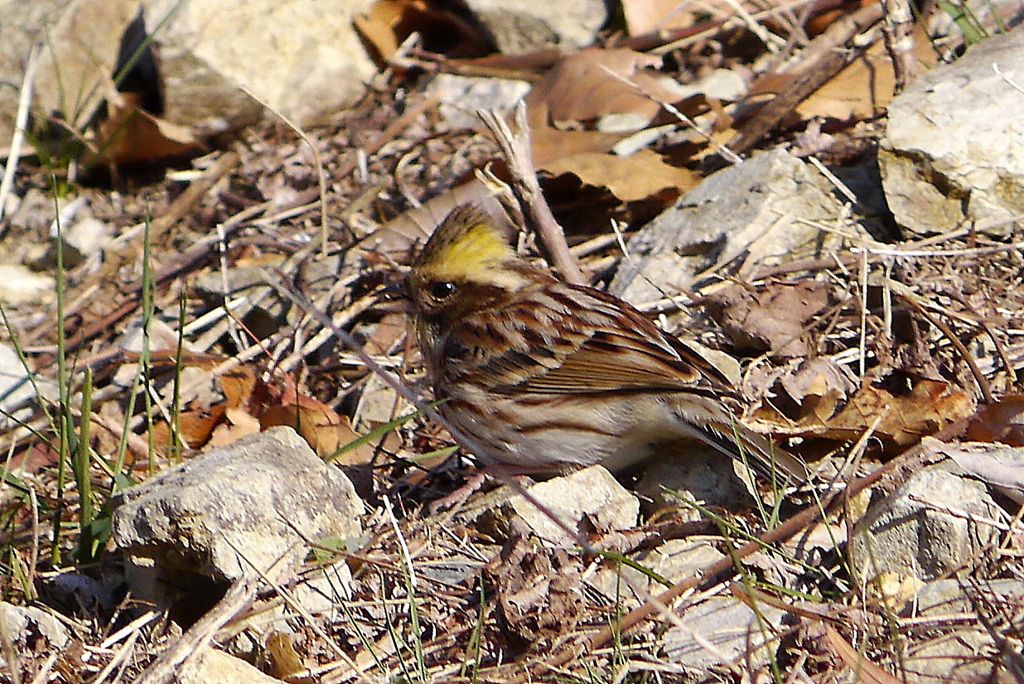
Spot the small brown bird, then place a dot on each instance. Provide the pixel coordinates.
(547, 376)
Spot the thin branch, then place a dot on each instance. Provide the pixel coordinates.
(20, 121)
(516, 148)
(825, 56)
(898, 32)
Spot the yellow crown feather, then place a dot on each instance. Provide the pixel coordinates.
(467, 246)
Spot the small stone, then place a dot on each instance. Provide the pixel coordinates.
(216, 667)
(20, 286)
(585, 501)
(519, 27)
(748, 209)
(692, 477)
(215, 518)
(30, 631)
(17, 390)
(958, 648)
(950, 153)
(680, 559)
(217, 70)
(461, 97)
(933, 525)
(723, 630)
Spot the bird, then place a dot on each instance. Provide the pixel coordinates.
(540, 376)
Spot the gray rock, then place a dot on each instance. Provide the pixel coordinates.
(223, 65)
(248, 504)
(952, 149)
(693, 475)
(586, 499)
(724, 631)
(322, 589)
(24, 25)
(998, 465)
(461, 97)
(751, 207)
(17, 391)
(31, 632)
(933, 525)
(519, 27)
(956, 649)
(680, 559)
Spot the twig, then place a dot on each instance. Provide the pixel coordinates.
(387, 135)
(727, 154)
(829, 53)
(195, 254)
(167, 666)
(911, 298)
(122, 654)
(20, 121)
(516, 148)
(193, 193)
(898, 32)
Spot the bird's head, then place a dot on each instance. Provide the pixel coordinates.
(466, 264)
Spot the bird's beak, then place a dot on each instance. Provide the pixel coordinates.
(395, 296)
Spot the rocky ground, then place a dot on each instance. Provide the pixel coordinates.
(206, 481)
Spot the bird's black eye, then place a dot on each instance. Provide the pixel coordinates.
(442, 289)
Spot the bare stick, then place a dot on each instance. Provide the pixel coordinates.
(516, 148)
(20, 121)
(825, 57)
(898, 32)
(185, 202)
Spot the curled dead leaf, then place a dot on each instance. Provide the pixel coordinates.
(929, 406)
(1002, 421)
(772, 319)
(131, 134)
(636, 177)
(583, 87)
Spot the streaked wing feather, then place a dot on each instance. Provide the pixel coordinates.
(617, 349)
(615, 361)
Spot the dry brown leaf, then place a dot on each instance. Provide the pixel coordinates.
(239, 385)
(203, 417)
(772, 319)
(195, 426)
(285, 661)
(324, 430)
(927, 408)
(386, 333)
(377, 26)
(237, 423)
(550, 143)
(1002, 421)
(130, 134)
(580, 88)
(819, 386)
(636, 177)
(995, 464)
(389, 22)
(644, 16)
(865, 87)
(905, 418)
(540, 590)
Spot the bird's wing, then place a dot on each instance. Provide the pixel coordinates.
(614, 348)
(612, 360)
